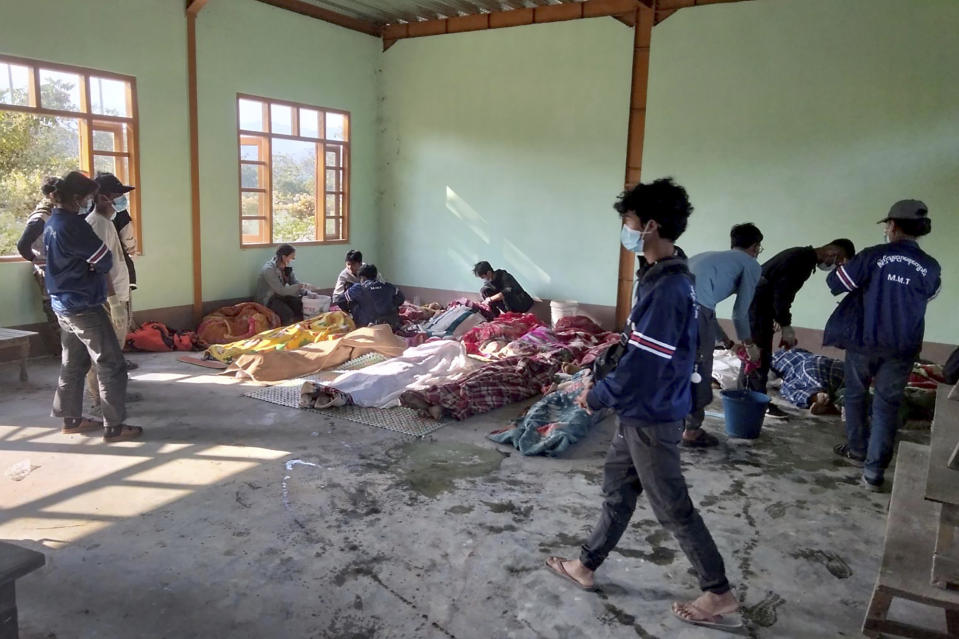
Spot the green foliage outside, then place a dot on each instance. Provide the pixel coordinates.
(294, 198)
(32, 148)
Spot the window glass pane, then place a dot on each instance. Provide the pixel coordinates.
(104, 164)
(332, 180)
(14, 84)
(294, 191)
(251, 115)
(33, 148)
(250, 151)
(335, 126)
(104, 141)
(253, 228)
(108, 97)
(254, 204)
(252, 176)
(122, 166)
(60, 90)
(331, 204)
(309, 123)
(332, 158)
(281, 119)
(334, 229)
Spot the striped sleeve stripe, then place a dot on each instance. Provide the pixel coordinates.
(98, 254)
(652, 345)
(646, 348)
(845, 279)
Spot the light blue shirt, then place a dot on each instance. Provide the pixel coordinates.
(719, 274)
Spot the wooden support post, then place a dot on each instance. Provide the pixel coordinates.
(194, 159)
(643, 32)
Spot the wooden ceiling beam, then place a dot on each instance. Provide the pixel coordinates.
(511, 18)
(313, 11)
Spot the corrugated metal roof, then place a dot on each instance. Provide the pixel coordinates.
(382, 12)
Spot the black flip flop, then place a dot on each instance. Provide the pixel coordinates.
(560, 571)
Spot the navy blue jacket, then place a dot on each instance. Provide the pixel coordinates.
(884, 311)
(374, 302)
(651, 383)
(77, 263)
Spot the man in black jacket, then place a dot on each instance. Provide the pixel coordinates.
(782, 277)
(501, 292)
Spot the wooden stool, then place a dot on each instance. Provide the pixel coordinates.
(906, 568)
(11, 338)
(15, 562)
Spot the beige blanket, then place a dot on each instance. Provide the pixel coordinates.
(274, 366)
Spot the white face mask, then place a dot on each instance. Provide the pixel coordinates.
(826, 267)
(121, 203)
(633, 240)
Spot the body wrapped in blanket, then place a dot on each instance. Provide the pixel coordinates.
(552, 424)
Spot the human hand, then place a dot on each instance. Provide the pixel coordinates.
(788, 337)
(582, 403)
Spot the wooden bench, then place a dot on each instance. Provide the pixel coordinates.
(11, 338)
(906, 568)
(15, 562)
(942, 486)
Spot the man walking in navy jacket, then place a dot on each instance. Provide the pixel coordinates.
(881, 323)
(650, 391)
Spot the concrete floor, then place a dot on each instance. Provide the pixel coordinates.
(237, 518)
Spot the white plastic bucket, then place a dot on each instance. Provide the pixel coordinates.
(559, 309)
(314, 304)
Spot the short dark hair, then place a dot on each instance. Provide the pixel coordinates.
(354, 256)
(285, 249)
(744, 235)
(663, 201)
(49, 186)
(368, 271)
(914, 228)
(847, 247)
(482, 268)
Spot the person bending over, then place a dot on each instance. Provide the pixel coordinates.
(782, 277)
(649, 390)
(77, 266)
(372, 301)
(718, 275)
(277, 287)
(500, 291)
(881, 323)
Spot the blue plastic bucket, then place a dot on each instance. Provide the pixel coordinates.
(745, 411)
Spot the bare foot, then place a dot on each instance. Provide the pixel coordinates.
(707, 607)
(572, 569)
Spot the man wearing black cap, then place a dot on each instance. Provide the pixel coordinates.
(880, 323)
(116, 191)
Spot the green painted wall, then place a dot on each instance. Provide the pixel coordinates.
(150, 44)
(507, 145)
(250, 47)
(811, 118)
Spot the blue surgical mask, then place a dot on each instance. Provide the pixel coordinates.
(631, 240)
(121, 203)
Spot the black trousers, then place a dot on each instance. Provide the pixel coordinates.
(646, 457)
(288, 307)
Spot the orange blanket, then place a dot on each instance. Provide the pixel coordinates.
(232, 323)
(274, 366)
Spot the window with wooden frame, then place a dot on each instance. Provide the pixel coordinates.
(56, 118)
(294, 172)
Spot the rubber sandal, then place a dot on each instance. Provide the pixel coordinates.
(705, 440)
(560, 571)
(729, 621)
(121, 433)
(86, 425)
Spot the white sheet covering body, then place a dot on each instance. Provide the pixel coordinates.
(380, 385)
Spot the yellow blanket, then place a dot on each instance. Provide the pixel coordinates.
(324, 327)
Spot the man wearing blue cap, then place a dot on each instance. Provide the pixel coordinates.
(880, 323)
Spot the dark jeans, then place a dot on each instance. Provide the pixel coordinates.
(88, 338)
(763, 332)
(52, 337)
(646, 456)
(890, 375)
(288, 307)
(703, 391)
